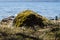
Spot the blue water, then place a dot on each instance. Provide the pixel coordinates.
(47, 9)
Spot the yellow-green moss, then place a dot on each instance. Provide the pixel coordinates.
(26, 15)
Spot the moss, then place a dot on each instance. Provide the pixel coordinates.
(29, 18)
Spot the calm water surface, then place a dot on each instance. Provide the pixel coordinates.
(47, 9)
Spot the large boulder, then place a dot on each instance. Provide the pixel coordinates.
(29, 18)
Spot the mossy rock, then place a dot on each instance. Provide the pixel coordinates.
(29, 18)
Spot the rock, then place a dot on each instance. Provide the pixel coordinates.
(29, 18)
(7, 20)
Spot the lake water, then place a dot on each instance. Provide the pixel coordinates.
(47, 9)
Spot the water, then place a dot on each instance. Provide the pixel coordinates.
(47, 9)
